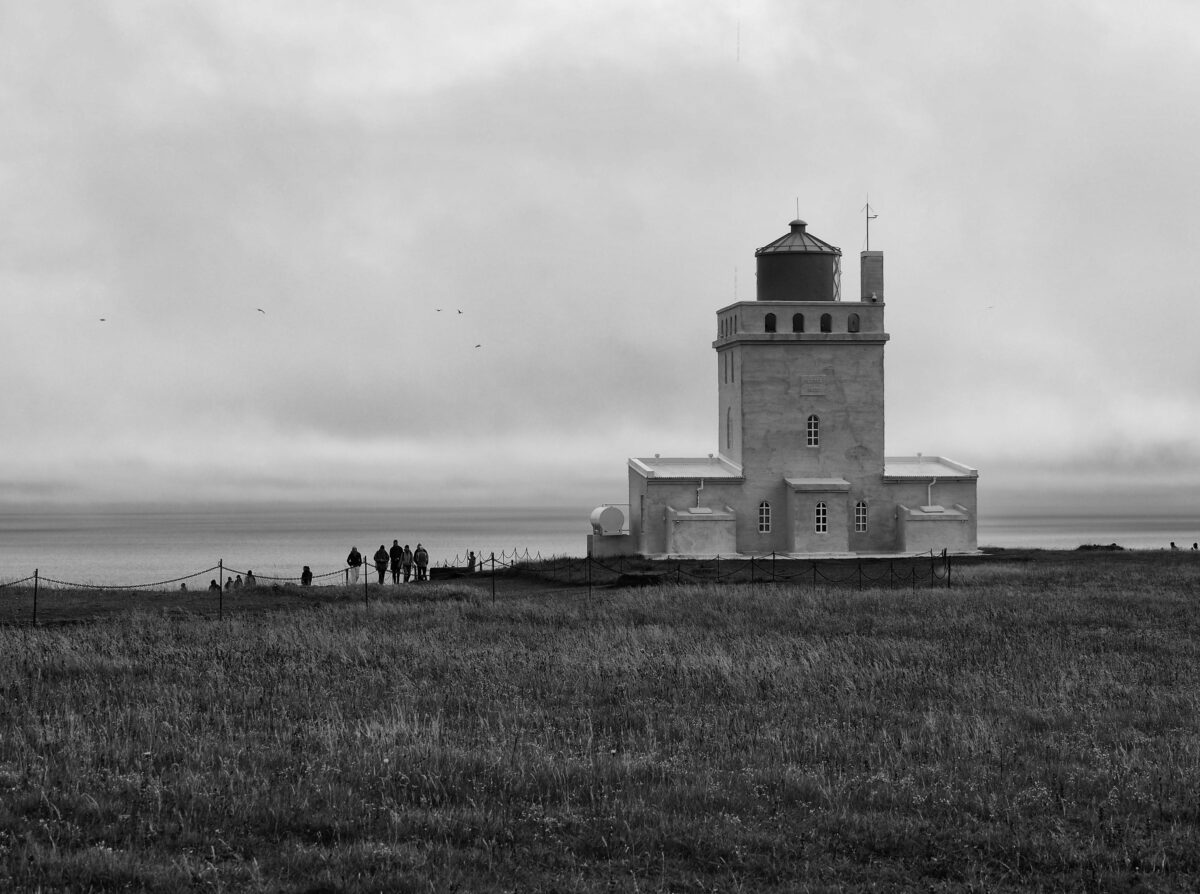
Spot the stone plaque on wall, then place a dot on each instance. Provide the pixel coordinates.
(812, 385)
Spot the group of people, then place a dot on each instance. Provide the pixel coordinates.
(403, 562)
(1195, 546)
(400, 560)
(233, 583)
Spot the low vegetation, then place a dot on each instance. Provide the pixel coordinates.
(1037, 726)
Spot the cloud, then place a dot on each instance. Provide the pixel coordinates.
(587, 184)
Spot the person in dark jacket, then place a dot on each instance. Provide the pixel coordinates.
(381, 561)
(421, 558)
(396, 554)
(250, 581)
(354, 562)
(306, 577)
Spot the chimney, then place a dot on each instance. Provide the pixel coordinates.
(871, 277)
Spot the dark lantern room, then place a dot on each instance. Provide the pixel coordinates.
(799, 267)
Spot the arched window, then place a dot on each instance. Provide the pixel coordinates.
(852, 323)
(770, 323)
(814, 432)
(821, 519)
(860, 517)
(764, 517)
(826, 323)
(797, 322)
(729, 428)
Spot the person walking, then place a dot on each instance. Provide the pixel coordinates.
(251, 583)
(381, 561)
(396, 554)
(306, 577)
(471, 562)
(354, 562)
(421, 558)
(407, 562)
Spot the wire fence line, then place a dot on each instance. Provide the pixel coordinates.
(773, 568)
(932, 570)
(341, 574)
(929, 570)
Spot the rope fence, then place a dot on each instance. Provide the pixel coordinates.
(930, 570)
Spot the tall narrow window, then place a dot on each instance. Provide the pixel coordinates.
(826, 323)
(797, 322)
(729, 429)
(764, 517)
(860, 517)
(821, 519)
(852, 323)
(814, 431)
(770, 323)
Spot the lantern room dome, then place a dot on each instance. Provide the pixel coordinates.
(799, 240)
(799, 267)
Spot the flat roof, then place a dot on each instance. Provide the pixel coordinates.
(685, 467)
(921, 466)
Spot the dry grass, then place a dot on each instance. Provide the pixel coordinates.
(1035, 727)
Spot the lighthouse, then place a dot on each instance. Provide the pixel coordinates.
(800, 467)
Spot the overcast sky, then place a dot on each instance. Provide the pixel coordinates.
(586, 183)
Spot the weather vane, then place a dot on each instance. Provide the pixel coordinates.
(867, 209)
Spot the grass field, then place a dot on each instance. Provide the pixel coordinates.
(1037, 727)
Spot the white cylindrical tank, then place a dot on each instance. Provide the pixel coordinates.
(607, 520)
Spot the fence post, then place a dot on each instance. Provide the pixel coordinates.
(753, 578)
(221, 589)
(773, 566)
(35, 594)
(589, 577)
(493, 578)
(948, 563)
(814, 571)
(678, 569)
(366, 584)
(860, 574)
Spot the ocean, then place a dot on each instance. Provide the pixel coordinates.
(127, 546)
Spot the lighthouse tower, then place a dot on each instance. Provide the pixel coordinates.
(800, 400)
(800, 466)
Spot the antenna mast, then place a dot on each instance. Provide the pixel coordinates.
(867, 209)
